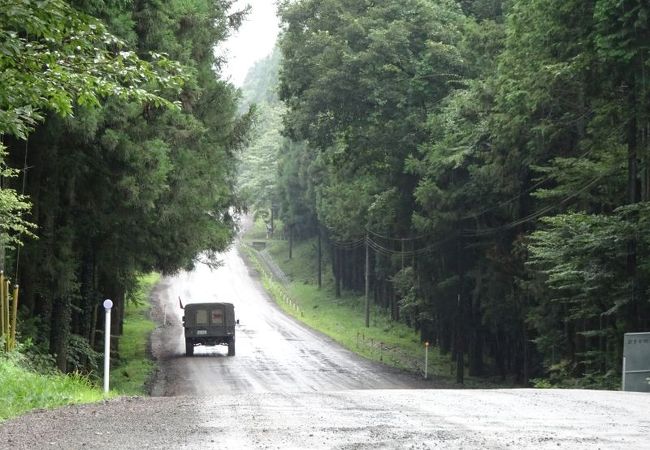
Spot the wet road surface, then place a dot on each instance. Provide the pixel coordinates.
(291, 388)
(275, 353)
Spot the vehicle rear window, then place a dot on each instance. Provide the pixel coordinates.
(217, 316)
(201, 317)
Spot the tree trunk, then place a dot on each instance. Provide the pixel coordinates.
(320, 258)
(337, 271)
(60, 331)
(290, 241)
(461, 317)
(87, 289)
(633, 197)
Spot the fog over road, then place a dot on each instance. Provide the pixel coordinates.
(289, 388)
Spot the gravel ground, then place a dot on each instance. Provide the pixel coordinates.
(418, 419)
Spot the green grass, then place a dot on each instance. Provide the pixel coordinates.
(135, 367)
(22, 390)
(343, 319)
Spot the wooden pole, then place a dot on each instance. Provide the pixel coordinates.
(367, 284)
(320, 259)
(6, 314)
(290, 241)
(13, 318)
(2, 304)
(460, 325)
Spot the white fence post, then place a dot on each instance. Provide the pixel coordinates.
(108, 304)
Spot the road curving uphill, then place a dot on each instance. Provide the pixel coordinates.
(291, 387)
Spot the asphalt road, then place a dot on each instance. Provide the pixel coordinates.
(275, 353)
(291, 388)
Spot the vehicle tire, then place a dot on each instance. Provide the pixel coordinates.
(189, 348)
(231, 347)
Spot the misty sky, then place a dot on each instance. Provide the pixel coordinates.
(254, 40)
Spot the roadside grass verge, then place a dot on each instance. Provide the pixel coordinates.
(135, 367)
(342, 319)
(22, 390)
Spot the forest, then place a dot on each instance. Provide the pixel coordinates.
(118, 156)
(480, 167)
(489, 158)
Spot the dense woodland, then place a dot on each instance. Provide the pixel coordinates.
(492, 158)
(489, 156)
(118, 155)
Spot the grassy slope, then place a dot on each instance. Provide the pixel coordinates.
(343, 319)
(22, 390)
(134, 369)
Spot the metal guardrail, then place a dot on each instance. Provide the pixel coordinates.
(282, 294)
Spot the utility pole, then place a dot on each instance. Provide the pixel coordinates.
(272, 224)
(290, 241)
(320, 259)
(367, 283)
(460, 324)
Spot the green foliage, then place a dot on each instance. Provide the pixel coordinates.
(261, 83)
(131, 373)
(341, 319)
(51, 35)
(259, 165)
(358, 80)
(561, 376)
(46, 49)
(23, 390)
(13, 208)
(119, 184)
(509, 136)
(82, 358)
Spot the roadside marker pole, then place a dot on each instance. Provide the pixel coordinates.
(426, 359)
(108, 304)
(165, 315)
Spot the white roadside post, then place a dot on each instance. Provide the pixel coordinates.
(426, 359)
(108, 304)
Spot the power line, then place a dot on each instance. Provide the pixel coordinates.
(538, 184)
(349, 245)
(381, 249)
(388, 238)
(536, 214)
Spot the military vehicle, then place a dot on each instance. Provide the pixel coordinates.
(209, 324)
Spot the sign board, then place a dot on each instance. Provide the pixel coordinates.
(636, 362)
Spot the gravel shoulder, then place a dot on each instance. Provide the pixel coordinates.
(420, 419)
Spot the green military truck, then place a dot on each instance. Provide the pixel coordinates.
(209, 324)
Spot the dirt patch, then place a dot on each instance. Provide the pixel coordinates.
(164, 339)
